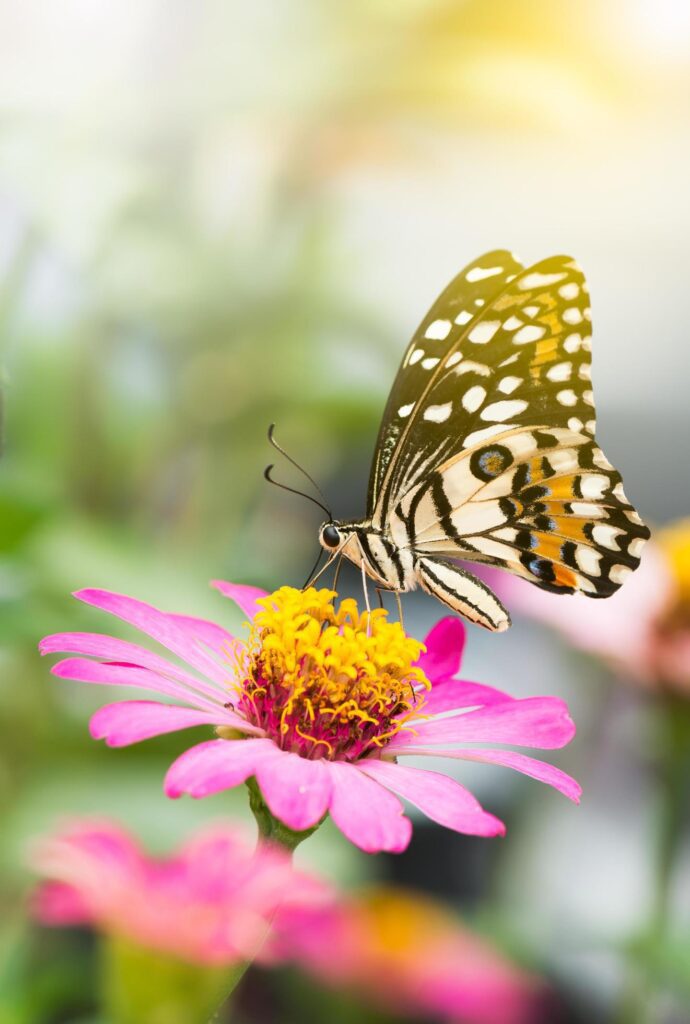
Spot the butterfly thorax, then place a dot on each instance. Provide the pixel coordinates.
(372, 549)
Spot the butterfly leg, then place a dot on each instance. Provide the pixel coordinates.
(336, 575)
(399, 603)
(366, 598)
(323, 568)
(462, 592)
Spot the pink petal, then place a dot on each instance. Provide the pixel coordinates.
(244, 597)
(210, 633)
(539, 770)
(59, 905)
(160, 626)
(106, 673)
(101, 646)
(130, 721)
(216, 765)
(455, 694)
(444, 647)
(296, 790)
(366, 813)
(442, 799)
(532, 722)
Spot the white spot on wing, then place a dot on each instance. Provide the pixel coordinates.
(588, 560)
(587, 510)
(572, 315)
(530, 311)
(438, 330)
(454, 359)
(575, 424)
(508, 384)
(593, 485)
(479, 273)
(416, 356)
(483, 332)
(567, 397)
(464, 318)
(537, 280)
(501, 411)
(569, 291)
(635, 546)
(473, 398)
(585, 371)
(431, 362)
(512, 323)
(469, 366)
(561, 371)
(572, 343)
(529, 333)
(619, 573)
(600, 460)
(405, 410)
(438, 413)
(606, 536)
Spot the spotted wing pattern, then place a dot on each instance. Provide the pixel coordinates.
(493, 454)
(544, 503)
(457, 308)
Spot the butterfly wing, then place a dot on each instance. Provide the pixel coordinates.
(495, 458)
(456, 309)
(544, 503)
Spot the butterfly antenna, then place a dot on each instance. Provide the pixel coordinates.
(292, 490)
(310, 478)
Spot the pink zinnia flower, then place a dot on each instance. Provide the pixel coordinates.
(324, 702)
(210, 903)
(409, 956)
(643, 631)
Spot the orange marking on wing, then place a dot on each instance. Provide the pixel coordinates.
(565, 576)
(561, 488)
(571, 528)
(547, 546)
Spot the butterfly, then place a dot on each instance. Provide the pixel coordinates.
(486, 450)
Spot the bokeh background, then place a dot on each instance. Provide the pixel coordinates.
(222, 214)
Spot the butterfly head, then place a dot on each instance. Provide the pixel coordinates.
(331, 536)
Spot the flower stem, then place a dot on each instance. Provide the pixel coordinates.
(672, 775)
(271, 830)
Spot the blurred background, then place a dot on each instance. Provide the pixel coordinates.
(218, 215)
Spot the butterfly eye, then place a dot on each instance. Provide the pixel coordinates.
(330, 535)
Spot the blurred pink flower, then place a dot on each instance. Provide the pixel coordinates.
(643, 630)
(325, 701)
(209, 903)
(410, 956)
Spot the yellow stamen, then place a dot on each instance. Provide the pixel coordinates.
(319, 677)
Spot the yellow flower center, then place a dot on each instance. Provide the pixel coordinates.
(326, 681)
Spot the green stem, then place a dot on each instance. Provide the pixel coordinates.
(271, 830)
(672, 775)
(672, 783)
